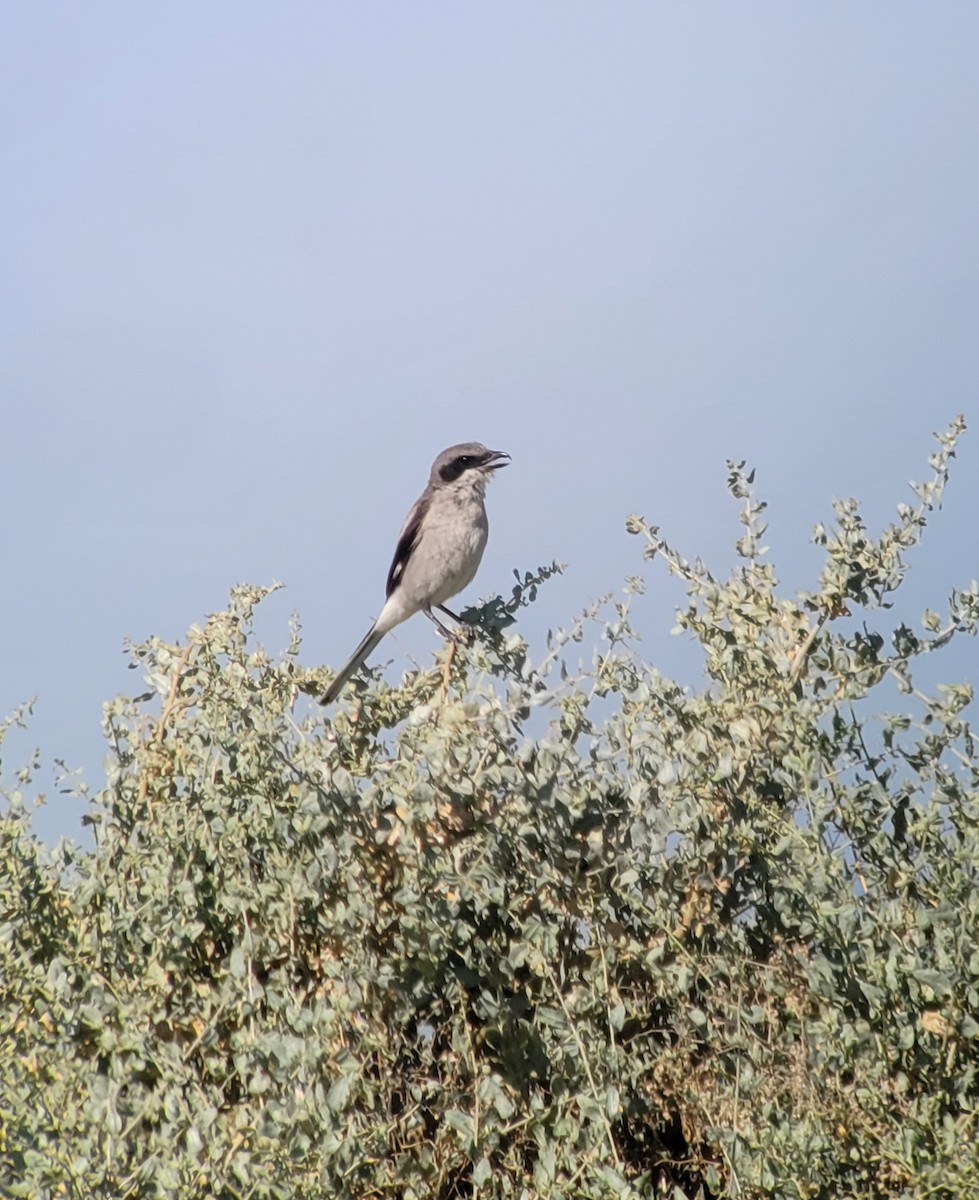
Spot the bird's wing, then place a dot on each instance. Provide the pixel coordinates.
(407, 541)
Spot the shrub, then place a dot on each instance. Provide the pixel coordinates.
(513, 929)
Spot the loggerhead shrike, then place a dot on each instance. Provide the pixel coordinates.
(438, 552)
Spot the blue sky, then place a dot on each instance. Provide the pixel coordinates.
(260, 263)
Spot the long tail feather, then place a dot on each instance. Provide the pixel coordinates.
(363, 651)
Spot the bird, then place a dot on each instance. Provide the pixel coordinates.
(439, 548)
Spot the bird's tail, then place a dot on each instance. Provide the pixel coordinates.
(354, 664)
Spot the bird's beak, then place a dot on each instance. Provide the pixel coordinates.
(496, 459)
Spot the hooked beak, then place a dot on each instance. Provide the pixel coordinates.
(496, 459)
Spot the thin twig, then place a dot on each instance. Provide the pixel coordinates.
(806, 647)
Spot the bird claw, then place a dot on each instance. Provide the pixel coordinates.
(465, 634)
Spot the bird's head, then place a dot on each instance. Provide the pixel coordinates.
(470, 459)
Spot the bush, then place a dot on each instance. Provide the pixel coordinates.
(512, 930)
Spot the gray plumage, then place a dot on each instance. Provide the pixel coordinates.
(439, 548)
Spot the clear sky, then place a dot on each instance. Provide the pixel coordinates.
(259, 263)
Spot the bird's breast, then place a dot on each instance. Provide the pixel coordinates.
(449, 551)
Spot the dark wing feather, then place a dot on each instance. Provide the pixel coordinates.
(407, 542)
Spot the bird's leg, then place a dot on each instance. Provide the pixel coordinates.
(465, 630)
(451, 637)
(446, 633)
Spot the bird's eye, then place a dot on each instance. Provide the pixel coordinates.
(465, 460)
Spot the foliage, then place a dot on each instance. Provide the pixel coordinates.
(509, 929)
